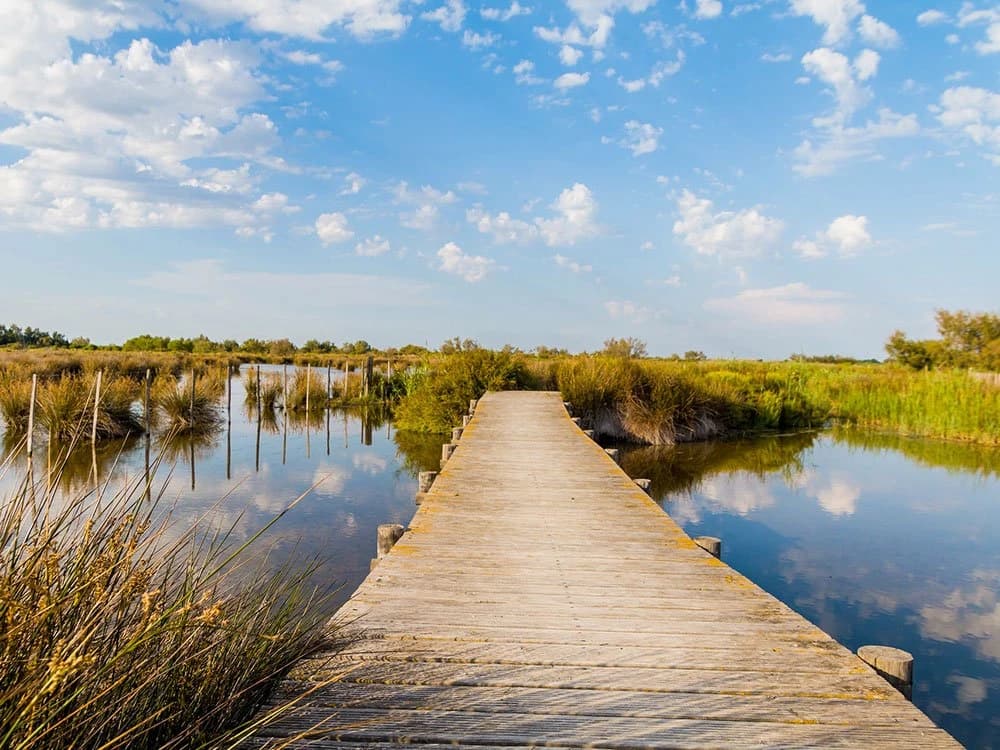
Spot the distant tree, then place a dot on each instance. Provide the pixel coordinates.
(253, 346)
(550, 351)
(146, 343)
(694, 356)
(413, 349)
(358, 347)
(456, 344)
(630, 348)
(280, 348)
(80, 342)
(204, 345)
(919, 355)
(229, 345)
(180, 345)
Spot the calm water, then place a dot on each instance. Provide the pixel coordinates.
(875, 539)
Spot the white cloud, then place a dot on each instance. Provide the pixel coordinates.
(781, 57)
(524, 74)
(932, 17)
(837, 71)
(627, 310)
(563, 262)
(878, 33)
(835, 15)
(427, 199)
(455, 261)
(300, 57)
(724, 233)
(332, 228)
(355, 183)
(847, 235)
(641, 137)
(569, 56)
(373, 247)
(474, 40)
(450, 16)
(309, 19)
(974, 112)
(659, 71)
(571, 80)
(502, 226)
(839, 144)
(513, 11)
(708, 9)
(423, 217)
(576, 210)
(791, 304)
(590, 12)
(969, 15)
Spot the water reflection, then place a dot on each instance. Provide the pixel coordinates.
(259, 461)
(875, 538)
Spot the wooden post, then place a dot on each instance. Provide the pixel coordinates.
(456, 434)
(31, 413)
(147, 417)
(424, 481)
(712, 545)
(646, 485)
(465, 420)
(191, 414)
(308, 385)
(387, 536)
(347, 373)
(613, 452)
(284, 388)
(446, 450)
(229, 393)
(472, 406)
(97, 406)
(329, 392)
(892, 664)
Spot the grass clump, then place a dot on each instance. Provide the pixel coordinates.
(183, 414)
(306, 381)
(66, 407)
(15, 402)
(117, 630)
(438, 395)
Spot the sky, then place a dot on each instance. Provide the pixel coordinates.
(745, 178)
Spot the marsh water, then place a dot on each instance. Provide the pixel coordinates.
(875, 539)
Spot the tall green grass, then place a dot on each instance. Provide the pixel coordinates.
(119, 630)
(182, 413)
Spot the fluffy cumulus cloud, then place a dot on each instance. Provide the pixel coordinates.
(641, 137)
(112, 139)
(571, 81)
(847, 236)
(844, 77)
(836, 16)
(472, 268)
(575, 219)
(707, 9)
(878, 33)
(791, 304)
(514, 10)
(724, 233)
(332, 228)
(975, 114)
(309, 19)
(426, 202)
(450, 16)
(373, 247)
(836, 144)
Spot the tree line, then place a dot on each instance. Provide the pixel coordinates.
(966, 339)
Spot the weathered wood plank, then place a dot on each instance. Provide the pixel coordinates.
(540, 598)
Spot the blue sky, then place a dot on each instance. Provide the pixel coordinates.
(744, 178)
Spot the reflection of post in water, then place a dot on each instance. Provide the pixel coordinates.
(257, 464)
(366, 427)
(229, 422)
(308, 431)
(345, 428)
(328, 429)
(192, 464)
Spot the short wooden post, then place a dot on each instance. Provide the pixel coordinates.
(613, 452)
(712, 545)
(388, 534)
(589, 433)
(329, 383)
(569, 407)
(892, 664)
(284, 388)
(97, 406)
(424, 481)
(472, 406)
(465, 420)
(308, 387)
(229, 393)
(646, 485)
(446, 450)
(31, 413)
(347, 374)
(456, 434)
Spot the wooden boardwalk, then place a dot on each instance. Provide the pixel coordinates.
(540, 598)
